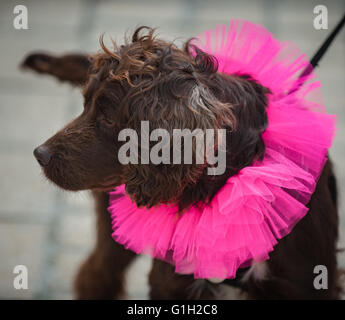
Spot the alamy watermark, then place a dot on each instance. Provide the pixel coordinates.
(20, 281)
(321, 280)
(183, 141)
(20, 20)
(320, 21)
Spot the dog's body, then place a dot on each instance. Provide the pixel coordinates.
(288, 274)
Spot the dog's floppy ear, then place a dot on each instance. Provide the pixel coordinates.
(72, 68)
(249, 100)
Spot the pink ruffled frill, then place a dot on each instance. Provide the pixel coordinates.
(262, 203)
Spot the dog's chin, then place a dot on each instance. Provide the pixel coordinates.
(74, 184)
(64, 184)
(63, 180)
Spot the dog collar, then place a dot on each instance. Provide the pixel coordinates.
(264, 201)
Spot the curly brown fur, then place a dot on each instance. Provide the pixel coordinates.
(150, 79)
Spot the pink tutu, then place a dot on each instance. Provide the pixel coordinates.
(263, 202)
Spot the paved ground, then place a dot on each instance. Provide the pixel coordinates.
(51, 231)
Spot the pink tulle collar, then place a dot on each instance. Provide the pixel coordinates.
(263, 202)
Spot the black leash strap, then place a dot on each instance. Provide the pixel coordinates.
(314, 62)
(318, 55)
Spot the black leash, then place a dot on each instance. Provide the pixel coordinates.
(319, 54)
(314, 62)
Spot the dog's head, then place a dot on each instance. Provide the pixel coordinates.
(151, 80)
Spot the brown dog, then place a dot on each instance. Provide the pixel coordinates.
(150, 79)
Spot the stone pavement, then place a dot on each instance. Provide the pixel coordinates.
(51, 231)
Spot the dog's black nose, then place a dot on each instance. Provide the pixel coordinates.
(43, 155)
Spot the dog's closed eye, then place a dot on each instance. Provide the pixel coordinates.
(105, 108)
(106, 117)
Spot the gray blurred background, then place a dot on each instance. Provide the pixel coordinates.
(51, 231)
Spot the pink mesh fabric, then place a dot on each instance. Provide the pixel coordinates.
(262, 203)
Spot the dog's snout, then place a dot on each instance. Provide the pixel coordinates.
(43, 155)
